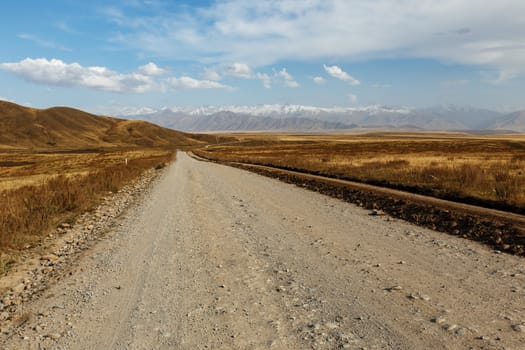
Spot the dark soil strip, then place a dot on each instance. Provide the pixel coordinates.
(503, 231)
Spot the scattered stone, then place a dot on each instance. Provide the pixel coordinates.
(314, 326)
(377, 212)
(394, 288)
(54, 336)
(450, 327)
(518, 328)
(460, 331)
(424, 297)
(439, 319)
(49, 257)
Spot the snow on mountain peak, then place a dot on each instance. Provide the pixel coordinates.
(283, 109)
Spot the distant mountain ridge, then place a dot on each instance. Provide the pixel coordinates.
(310, 119)
(231, 121)
(509, 122)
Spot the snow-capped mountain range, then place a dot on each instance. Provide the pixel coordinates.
(273, 117)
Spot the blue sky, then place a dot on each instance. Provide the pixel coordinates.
(106, 56)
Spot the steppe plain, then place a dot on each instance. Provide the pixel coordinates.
(176, 252)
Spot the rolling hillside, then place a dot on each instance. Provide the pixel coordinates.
(62, 128)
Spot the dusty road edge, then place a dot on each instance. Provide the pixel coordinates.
(500, 230)
(47, 264)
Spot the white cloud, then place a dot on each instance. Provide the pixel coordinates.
(319, 80)
(151, 69)
(211, 74)
(265, 32)
(239, 70)
(265, 79)
(57, 72)
(191, 83)
(340, 74)
(244, 71)
(286, 78)
(352, 98)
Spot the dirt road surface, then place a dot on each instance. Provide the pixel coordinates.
(220, 258)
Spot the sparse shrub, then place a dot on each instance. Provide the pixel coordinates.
(398, 163)
(518, 158)
(505, 187)
(466, 175)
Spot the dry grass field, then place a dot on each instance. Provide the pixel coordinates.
(58, 161)
(40, 190)
(480, 169)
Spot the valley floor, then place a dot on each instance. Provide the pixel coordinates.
(220, 258)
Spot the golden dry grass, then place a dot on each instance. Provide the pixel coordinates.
(455, 166)
(40, 190)
(57, 162)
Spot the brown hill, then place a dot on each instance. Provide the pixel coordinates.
(62, 128)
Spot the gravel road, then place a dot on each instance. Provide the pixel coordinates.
(219, 258)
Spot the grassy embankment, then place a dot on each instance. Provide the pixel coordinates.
(39, 191)
(485, 170)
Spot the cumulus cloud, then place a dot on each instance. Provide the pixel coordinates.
(340, 74)
(57, 72)
(265, 32)
(287, 79)
(239, 70)
(244, 71)
(319, 80)
(211, 74)
(151, 69)
(191, 83)
(265, 79)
